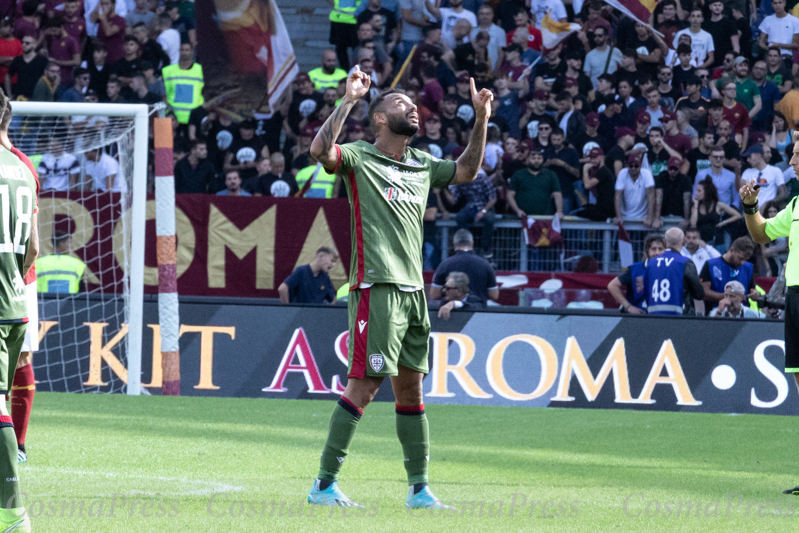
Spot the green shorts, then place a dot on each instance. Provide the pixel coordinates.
(388, 328)
(11, 338)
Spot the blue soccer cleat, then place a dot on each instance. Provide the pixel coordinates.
(331, 496)
(425, 499)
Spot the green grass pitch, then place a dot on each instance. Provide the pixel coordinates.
(115, 463)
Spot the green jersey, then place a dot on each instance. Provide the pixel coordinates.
(17, 196)
(388, 199)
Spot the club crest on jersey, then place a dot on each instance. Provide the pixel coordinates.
(376, 361)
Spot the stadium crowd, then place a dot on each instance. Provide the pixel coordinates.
(618, 121)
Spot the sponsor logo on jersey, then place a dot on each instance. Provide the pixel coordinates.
(392, 193)
(376, 361)
(397, 176)
(413, 163)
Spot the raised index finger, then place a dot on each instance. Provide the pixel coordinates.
(474, 89)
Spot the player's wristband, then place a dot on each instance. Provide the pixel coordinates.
(750, 209)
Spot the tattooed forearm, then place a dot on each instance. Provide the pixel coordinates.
(470, 160)
(322, 146)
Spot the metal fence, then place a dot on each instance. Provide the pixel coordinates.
(580, 238)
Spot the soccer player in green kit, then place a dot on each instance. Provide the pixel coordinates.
(387, 184)
(18, 250)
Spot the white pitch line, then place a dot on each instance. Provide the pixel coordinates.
(212, 486)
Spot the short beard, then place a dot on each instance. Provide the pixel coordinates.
(399, 125)
(534, 167)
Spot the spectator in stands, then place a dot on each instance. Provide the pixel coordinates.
(310, 284)
(103, 173)
(455, 295)
(574, 77)
(675, 139)
(384, 23)
(536, 115)
(535, 190)
(614, 160)
(776, 71)
(194, 173)
(468, 55)
(29, 23)
(58, 170)
(25, 70)
(564, 161)
(789, 105)
(99, 71)
(60, 272)
(496, 35)
(89, 9)
(431, 95)
(723, 179)
(709, 215)
(151, 51)
(168, 38)
(702, 47)
(735, 113)
(699, 157)
(723, 31)
(155, 83)
(603, 58)
(482, 280)
(129, 65)
(767, 176)
(659, 152)
(46, 87)
(245, 150)
(233, 185)
(747, 92)
(735, 293)
(80, 84)
(184, 25)
(10, 46)
(598, 182)
(769, 95)
(328, 75)
(570, 121)
(74, 23)
(113, 91)
(635, 193)
(110, 28)
(653, 108)
(63, 49)
(780, 30)
(272, 178)
(672, 194)
(480, 195)
(696, 249)
(139, 91)
(140, 15)
(449, 17)
(189, 76)
(732, 266)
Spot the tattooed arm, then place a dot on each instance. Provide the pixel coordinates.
(470, 160)
(323, 147)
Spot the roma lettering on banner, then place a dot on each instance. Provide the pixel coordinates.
(546, 356)
(306, 365)
(440, 367)
(207, 226)
(667, 358)
(574, 363)
(99, 352)
(772, 373)
(341, 348)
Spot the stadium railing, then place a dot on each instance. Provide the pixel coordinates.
(580, 238)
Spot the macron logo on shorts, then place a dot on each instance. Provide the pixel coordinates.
(361, 325)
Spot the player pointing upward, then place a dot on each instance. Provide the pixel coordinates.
(387, 184)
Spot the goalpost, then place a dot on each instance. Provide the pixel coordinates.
(108, 232)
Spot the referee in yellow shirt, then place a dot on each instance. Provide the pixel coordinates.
(763, 231)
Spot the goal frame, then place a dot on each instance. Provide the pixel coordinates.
(140, 114)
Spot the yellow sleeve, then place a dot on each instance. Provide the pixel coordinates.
(780, 225)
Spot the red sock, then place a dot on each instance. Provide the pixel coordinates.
(21, 401)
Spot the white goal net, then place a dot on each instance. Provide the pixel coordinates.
(92, 172)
